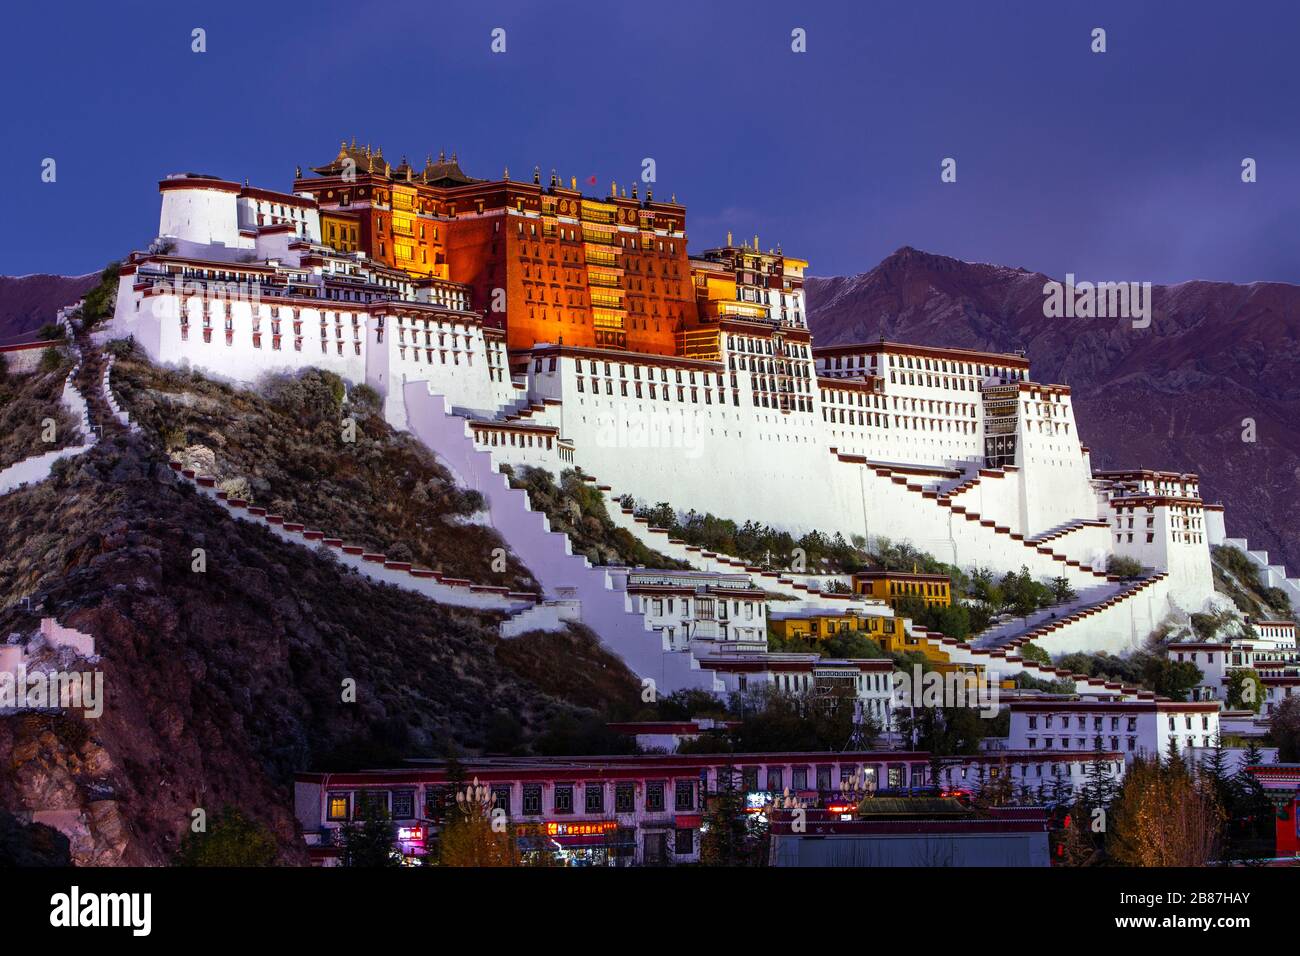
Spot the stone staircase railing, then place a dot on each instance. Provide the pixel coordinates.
(106, 388)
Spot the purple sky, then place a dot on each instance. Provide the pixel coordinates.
(1124, 165)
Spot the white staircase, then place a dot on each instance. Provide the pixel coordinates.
(549, 554)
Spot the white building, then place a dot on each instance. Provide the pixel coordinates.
(1082, 725)
(705, 611)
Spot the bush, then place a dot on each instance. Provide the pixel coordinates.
(1126, 568)
(1032, 652)
(51, 360)
(365, 397)
(231, 840)
(99, 302)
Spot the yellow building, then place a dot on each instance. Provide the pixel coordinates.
(813, 626)
(893, 586)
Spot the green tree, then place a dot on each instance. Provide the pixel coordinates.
(369, 844)
(232, 839)
(1101, 787)
(728, 838)
(51, 360)
(1173, 679)
(1252, 811)
(1062, 591)
(1245, 689)
(1126, 568)
(1032, 652)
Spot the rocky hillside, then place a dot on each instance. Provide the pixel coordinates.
(28, 302)
(1172, 396)
(221, 684)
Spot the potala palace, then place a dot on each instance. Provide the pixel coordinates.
(521, 322)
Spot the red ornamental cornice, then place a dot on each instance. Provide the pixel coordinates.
(198, 182)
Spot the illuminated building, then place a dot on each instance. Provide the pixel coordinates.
(548, 264)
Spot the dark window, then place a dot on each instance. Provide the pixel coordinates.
(595, 798)
(564, 798)
(684, 844)
(372, 801)
(403, 804)
(751, 779)
(774, 780)
(624, 799)
(685, 795)
(799, 778)
(654, 797)
(532, 798)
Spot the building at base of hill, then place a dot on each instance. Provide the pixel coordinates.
(648, 809)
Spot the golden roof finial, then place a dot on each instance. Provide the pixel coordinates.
(573, 182)
(728, 237)
(506, 175)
